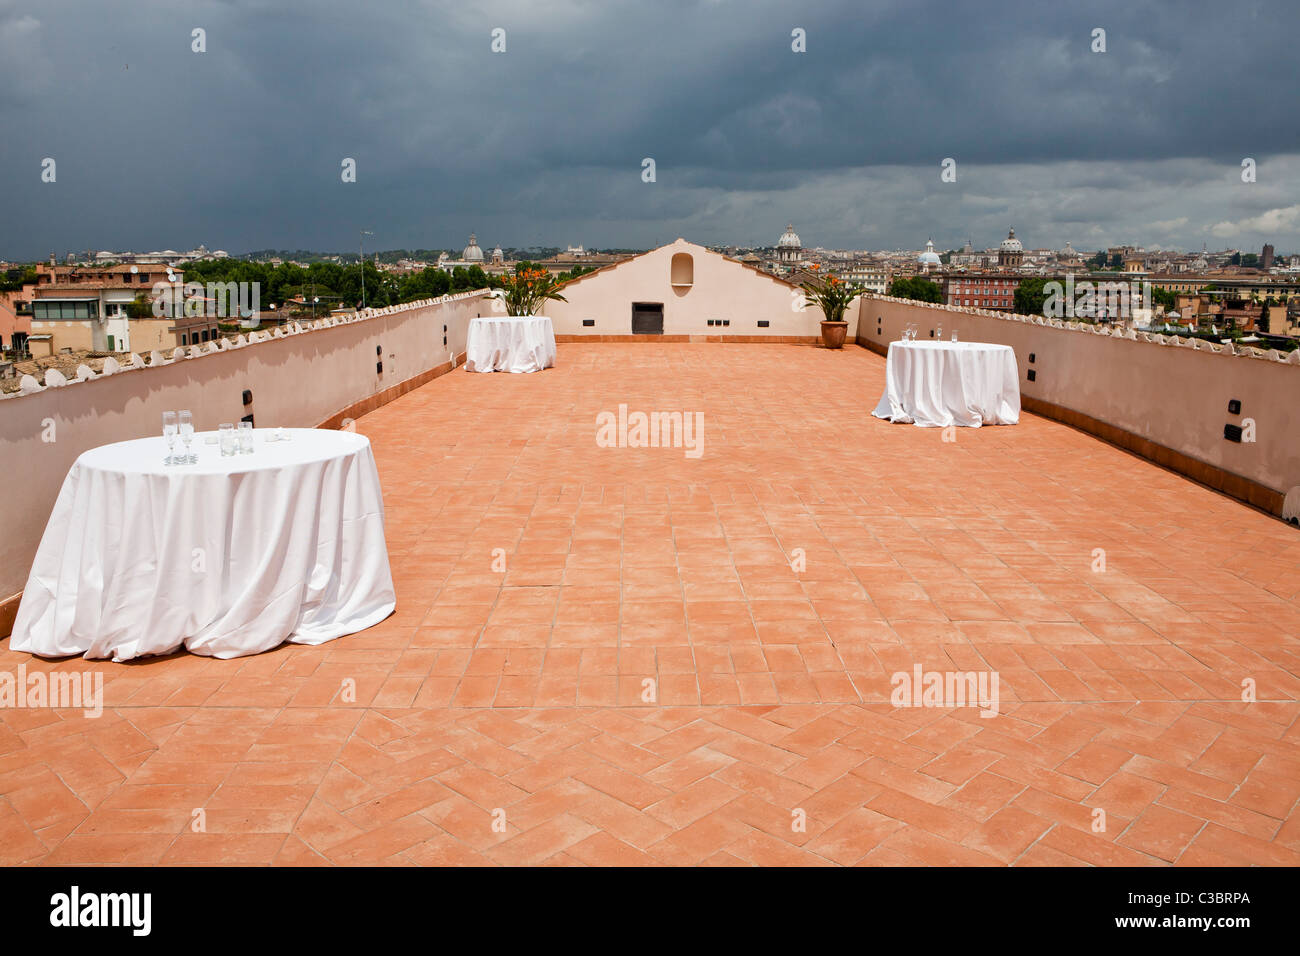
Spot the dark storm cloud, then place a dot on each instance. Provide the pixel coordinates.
(240, 147)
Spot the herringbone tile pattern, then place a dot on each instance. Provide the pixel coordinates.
(630, 656)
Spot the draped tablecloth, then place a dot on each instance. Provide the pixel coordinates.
(226, 557)
(951, 383)
(510, 344)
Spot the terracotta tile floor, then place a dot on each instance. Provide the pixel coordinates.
(515, 697)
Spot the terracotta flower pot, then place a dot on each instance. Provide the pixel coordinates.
(833, 334)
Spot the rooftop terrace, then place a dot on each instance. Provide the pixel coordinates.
(524, 689)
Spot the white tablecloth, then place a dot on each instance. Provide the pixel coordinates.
(227, 557)
(950, 383)
(509, 344)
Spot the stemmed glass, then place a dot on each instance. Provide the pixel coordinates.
(187, 435)
(169, 433)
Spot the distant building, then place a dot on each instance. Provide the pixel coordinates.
(870, 275)
(1011, 253)
(472, 255)
(789, 249)
(929, 259)
(980, 290)
(163, 257)
(576, 256)
(86, 308)
(1266, 257)
(16, 314)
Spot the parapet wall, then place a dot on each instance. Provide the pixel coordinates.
(305, 376)
(1162, 397)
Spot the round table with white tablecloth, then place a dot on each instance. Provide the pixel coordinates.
(510, 344)
(225, 557)
(950, 383)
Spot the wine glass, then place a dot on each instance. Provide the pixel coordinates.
(169, 434)
(938, 331)
(187, 434)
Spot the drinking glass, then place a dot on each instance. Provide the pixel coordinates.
(245, 438)
(229, 443)
(169, 433)
(954, 335)
(938, 331)
(187, 435)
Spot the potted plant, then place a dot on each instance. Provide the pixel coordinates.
(525, 290)
(833, 296)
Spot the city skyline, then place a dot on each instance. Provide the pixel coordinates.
(543, 143)
(189, 251)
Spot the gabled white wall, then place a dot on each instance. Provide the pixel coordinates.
(722, 289)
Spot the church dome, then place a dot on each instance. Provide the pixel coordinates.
(789, 239)
(929, 257)
(1011, 243)
(472, 252)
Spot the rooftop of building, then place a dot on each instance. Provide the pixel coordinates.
(769, 589)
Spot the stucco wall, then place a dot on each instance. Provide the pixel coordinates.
(721, 289)
(298, 381)
(1175, 396)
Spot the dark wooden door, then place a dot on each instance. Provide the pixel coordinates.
(647, 318)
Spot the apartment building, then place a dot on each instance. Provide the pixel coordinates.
(88, 307)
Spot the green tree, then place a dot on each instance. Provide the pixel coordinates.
(1163, 297)
(139, 308)
(14, 279)
(915, 287)
(1030, 296)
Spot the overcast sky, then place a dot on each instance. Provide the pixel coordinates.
(240, 147)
